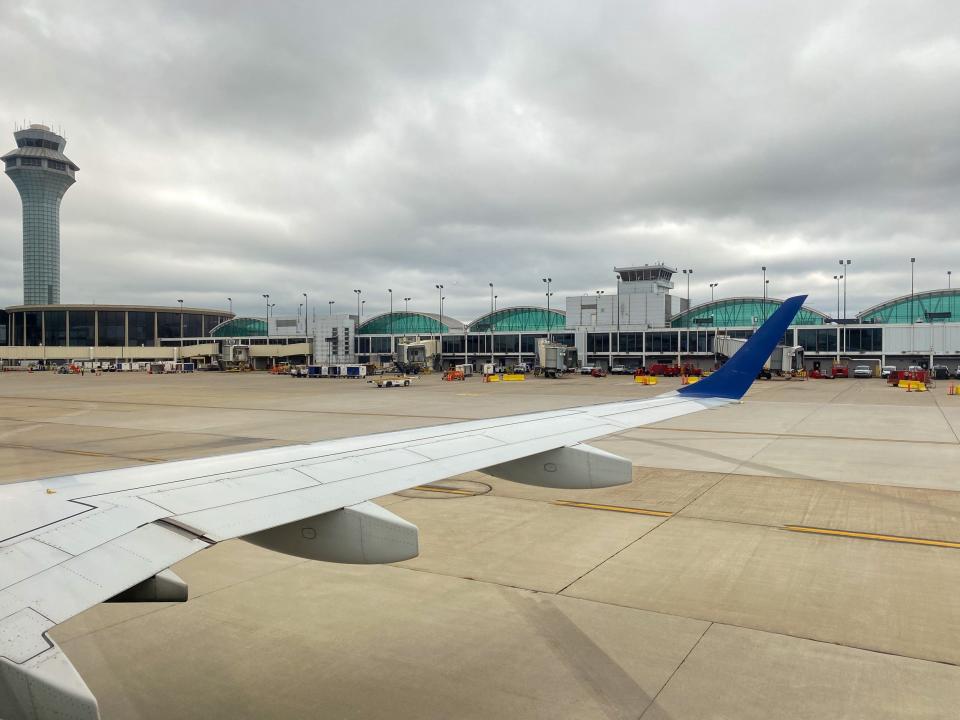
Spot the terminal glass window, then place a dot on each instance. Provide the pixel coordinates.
(451, 344)
(210, 322)
(505, 344)
(863, 339)
(81, 328)
(630, 343)
(696, 341)
(662, 342)
(478, 344)
(33, 321)
(55, 328)
(936, 306)
(111, 328)
(564, 339)
(528, 343)
(823, 341)
(380, 345)
(598, 342)
(402, 323)
(140, 328)
(15, 328)
(192, 325)
(3, 327)
(168, 325)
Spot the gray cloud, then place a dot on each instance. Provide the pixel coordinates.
(231, 149)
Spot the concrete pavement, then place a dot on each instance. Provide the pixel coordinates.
(522, 607)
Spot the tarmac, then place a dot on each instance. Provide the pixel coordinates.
(795, 556)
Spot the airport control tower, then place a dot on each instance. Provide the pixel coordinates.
(42, 174)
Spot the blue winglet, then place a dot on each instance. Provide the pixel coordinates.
(738, 373)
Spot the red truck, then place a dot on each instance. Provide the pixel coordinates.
(664, 370)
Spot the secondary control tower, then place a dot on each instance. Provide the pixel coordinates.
(42, 174)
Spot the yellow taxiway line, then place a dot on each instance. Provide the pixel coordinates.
(613, 508)
(454, 491)
(873, 536)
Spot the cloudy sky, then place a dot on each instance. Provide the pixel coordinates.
(240, 148)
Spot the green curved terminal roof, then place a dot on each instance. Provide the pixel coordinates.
(927, 306)
(520, 319)
(241, 327)
(409, 323)
(740, 312)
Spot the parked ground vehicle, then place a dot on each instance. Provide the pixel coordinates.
(887, 369)
(940, 372)
(382, 381)
(664, 370)
(521, 368)
(598, 372)
(619, 370)
(863, 371)
(586, 370)
(841, 371)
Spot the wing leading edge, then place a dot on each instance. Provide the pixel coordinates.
(69, 543)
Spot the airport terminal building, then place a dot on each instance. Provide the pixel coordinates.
(640, 322)
(632, 327)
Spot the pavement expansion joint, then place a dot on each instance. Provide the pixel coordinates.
(872, 536)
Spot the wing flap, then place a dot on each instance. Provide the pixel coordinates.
(72, 586)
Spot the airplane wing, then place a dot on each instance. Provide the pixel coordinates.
(71, 542)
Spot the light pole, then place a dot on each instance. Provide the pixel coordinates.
(495, 303)
(390, 291)
(440, 326)
(596, 315)
(491, 322)
(845, 266)
(913, 262)
(689, 274)
(181, 318)
(306, 313)
(913, 317)
(299, 310)
(330, 305)
(949, 272)
(230, 300)
(764, 268)
(712, 286)
(406, 306)
(358, 304)
(362, 304)
(266, 297)
(838, 278)
(548, 280)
